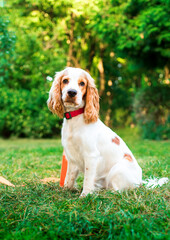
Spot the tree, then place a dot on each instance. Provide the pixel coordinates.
(139, 31)
(7, 43)
(51, 35)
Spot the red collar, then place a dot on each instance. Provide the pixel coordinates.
(69, 115)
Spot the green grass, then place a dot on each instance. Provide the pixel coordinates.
(33, 210)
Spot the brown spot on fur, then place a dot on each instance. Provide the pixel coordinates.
(116, 140)
(64, 77)
(128, 157)
(87, 169)
(82, 88)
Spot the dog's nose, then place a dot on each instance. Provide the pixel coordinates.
(72, 93)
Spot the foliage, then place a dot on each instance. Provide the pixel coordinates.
(136, 29)
(46, 40)
(7, 41)
(123, 44)
(152, 112)
(25, 114)
(120, 105)
(33, 210)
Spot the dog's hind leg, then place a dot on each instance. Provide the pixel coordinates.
(122, 177)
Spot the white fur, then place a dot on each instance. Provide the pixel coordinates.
(73, 84)
(89, 149)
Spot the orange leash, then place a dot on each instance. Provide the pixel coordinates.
(63, 171)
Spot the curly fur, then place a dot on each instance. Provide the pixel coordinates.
(91, 112)
(54, 101)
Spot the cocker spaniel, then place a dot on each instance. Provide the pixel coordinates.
(89, 145)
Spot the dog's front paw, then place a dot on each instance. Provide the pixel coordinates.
(84, 194)
(67, 187)
(71, 188)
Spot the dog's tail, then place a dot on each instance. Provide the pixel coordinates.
(155, 182)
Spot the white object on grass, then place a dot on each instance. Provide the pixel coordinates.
(154, 182)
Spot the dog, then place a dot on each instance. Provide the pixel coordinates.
(89, 145)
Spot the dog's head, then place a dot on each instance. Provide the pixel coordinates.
(74, 88)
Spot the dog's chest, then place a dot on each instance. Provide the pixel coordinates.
(71, 141)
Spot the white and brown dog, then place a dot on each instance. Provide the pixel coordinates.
(90, 146)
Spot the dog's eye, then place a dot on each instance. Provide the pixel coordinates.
(65, 81)
(82, 84)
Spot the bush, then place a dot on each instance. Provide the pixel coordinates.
(151, 107)
(25, 114)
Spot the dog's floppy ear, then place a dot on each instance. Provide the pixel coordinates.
(54, 101)
(91, 112)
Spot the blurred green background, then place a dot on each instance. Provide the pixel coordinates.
(124, 44)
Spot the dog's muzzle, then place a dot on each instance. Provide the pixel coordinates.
(72, 93)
